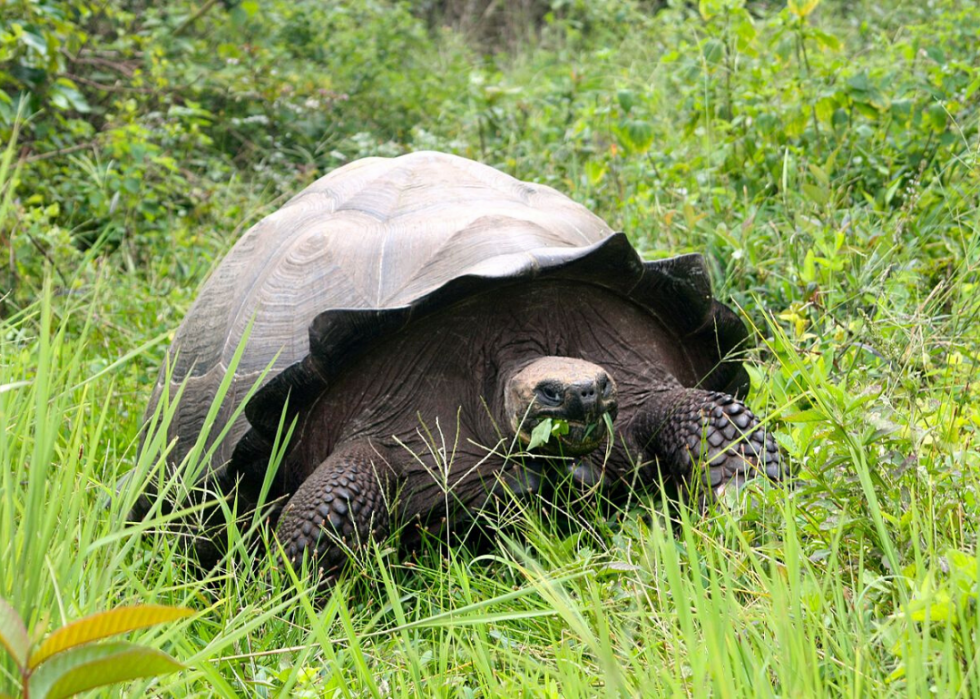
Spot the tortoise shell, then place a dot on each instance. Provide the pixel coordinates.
(379, 243)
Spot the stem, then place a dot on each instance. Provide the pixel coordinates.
(805, 61)
(194, 17)
(729, 67)
(60, 151)
(813, 108)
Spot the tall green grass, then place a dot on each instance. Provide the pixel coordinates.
(756, 598)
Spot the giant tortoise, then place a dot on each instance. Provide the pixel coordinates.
(397, 297)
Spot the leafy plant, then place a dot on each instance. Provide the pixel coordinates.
(71, 660)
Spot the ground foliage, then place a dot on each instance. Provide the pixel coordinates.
(823, 157)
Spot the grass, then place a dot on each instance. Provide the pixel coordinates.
(858, 579)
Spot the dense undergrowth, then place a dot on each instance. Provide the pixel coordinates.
(824, 158)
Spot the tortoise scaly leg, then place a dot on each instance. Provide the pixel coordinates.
(683, 427)
(336, 509)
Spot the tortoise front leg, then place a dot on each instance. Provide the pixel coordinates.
(337, 508)
(684, 427)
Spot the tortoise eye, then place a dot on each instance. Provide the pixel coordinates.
(605, 386)
(549, 394)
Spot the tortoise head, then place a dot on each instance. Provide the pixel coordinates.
(575, 391)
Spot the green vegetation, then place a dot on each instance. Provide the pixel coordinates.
(71, 660)
(823, 157)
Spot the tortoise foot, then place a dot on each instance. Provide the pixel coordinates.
(713, 434)
(334, 512)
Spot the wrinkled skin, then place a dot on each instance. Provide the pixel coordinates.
(476, 378)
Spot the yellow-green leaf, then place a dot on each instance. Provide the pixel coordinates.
(691, 217)
(104, 625)
(809, 273)
(802, 8)
(936, 608)
(828, 41)
(819, 195)
(13, 633)
(595, 171)
(709, 8)
(96, 665)
(896, 674)
(962, 563)
(818, 172)
(973, 87)
(810, 415)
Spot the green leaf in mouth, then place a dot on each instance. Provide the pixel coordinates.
(545, 430)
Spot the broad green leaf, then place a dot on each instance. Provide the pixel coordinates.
(938, 608)
(709, 8)
(893, 190)
(540, 434)
(13, 633)
(817, 194)
(746, 34)
(238, 16)
(973, 87)
(104, 625)
(625, 99)
(810, 415)
(713, 51)
(867, 109)
(36, 42)
(65, 95)
(636, 135)
(962, 563)
(937, 116)
(901, 109)
(818, 172)
(96, 665)
(809, 272)
(594, 170)
(859, 82)
(828, 41)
